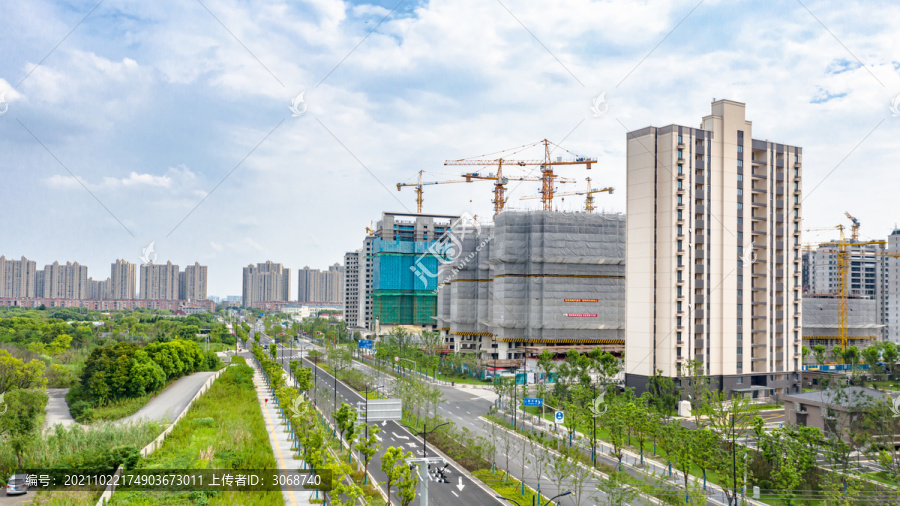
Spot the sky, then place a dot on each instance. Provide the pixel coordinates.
(230, 133)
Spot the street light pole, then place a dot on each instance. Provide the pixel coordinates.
(425, 433)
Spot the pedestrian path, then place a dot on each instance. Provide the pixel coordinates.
(279, 439)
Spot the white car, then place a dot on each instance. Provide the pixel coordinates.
(16, 485)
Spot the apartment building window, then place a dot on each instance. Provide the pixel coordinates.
(679, 215)
(678, 321)
(740, 293)
(740, 308)
(740, 178)
(681, 154)
(740, 322)
(680, 140)
(740, 221)
(678, 304)
(680, 244)
(680, 186)
(680, 230)
(796, 159)
(740, 148)
(740, 163)
(679, 276)
(740, 192)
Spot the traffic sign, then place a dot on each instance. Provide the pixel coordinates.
(365, 344)
(559, 417)
(533, 402)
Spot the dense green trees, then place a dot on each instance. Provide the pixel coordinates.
(124, 370)
(20, 422)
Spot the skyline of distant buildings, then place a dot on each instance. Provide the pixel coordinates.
(21, 279)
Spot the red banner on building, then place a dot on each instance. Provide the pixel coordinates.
(581, 315)
(581, 300)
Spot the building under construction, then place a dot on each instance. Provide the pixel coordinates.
(821, 321)
(536, 280)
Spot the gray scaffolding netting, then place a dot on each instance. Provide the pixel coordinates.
(821, 317)
(538, 275)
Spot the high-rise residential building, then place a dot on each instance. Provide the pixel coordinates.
(69, 281)
(314, 285)
(391, 293)
(122, 280)
(891, 289)
(18, 278)
(266, 282)
(310, 285)
(193, 282)
(334, 284)
(99, 289)
(351, 288)
(160, 281)
(713, 255)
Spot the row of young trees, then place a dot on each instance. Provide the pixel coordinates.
(313, 437)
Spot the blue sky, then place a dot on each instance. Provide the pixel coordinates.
(174, 116)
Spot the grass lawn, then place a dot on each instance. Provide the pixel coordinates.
(511, 489)
(124, 407)
(224, 429)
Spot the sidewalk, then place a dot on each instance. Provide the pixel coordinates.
(279, 439)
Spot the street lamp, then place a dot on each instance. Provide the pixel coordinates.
(557, 497)
(508, 499)
(425, 434)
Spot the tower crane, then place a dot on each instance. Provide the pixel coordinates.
(419, 184)
(854, 235)
(589, 195)
(843, 263)
(500, 182)
(548, 177)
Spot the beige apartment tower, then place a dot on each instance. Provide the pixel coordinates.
(122, 280)
(713, 255)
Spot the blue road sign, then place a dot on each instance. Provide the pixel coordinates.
(260, 315)
(560, 417)
(533, 402)
(365, 344)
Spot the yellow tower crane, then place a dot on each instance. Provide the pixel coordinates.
(548, 177)
(854, 235)
(589, 195)
(419, 187)
(500, 182)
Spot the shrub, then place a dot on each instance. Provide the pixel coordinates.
(126, 456)
(82, 411)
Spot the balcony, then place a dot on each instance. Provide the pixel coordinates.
(758, 162)
(779, 343)
(779, 357)
(680, 161)
(681, 145)
(699, 254)
(700, 209)
(699, 194)
(699, 284)
(779, 217)
(779, 176)
(699, 299)
(699, 344)
(699, 314)
(779, 162)
(698, 224)
(699, 238)
(699, 269)
(698, 329)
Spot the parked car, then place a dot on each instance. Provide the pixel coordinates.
(16, 485)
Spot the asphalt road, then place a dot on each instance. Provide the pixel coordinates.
(459, 490)
(171, 401)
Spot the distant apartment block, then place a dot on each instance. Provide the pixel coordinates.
(159, 281)
(122, 283)
(713, 255)
(266, 282)
(69, 281)
(314, 285)
(17, 278)
(193, 282)
(187, 306)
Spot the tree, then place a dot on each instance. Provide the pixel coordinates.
(393, 466)
(273, 350)
(731, 468)
(302, 375)
(539, 457)
(344, 420)
(578, 478)
(872, 355)
(15, 373)
(617, 490)
(616, 423)
(643, 423)
(20, 421)
(818, 352)
(889, 356)
(369, 446)
(662, 394)
(805, 353)
(705, 444)
(559, 470)
(679, 446)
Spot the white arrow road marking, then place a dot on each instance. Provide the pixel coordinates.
(411, 444)
(460, 486)
(400, 437)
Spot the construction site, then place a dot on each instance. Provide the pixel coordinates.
(533, 281)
